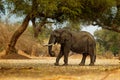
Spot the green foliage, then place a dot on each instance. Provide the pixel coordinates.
(2, 9)
(19, 7)
(94, 9)
(47, 7)
(73, 26)
(109, 40)
(44, 34)
(71, 9)
(95, 12)
(99, 48)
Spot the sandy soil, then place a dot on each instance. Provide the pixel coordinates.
(22, 66)
(42, 68)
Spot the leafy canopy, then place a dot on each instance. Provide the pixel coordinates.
(2, 9)
(104, 13)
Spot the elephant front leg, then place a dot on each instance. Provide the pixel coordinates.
(82, 63)
(65, 59)
(59, 56)
(66, 52)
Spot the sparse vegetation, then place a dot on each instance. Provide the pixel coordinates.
(26, 43)
(108, 42)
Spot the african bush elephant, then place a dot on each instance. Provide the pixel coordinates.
(80, 42)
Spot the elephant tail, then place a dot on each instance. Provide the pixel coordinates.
(94, 58)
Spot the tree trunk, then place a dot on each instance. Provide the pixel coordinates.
(34, 28)
(38, 28)
(11, 45)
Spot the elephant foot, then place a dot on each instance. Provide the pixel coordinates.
(64, 64)
(56, 64)
(82, 64)
(91, 64)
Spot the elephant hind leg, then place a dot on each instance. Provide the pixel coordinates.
(92, 56)
(92, 59)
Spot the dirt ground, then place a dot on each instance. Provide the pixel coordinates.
(42, 68)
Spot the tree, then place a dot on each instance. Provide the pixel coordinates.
(73, 26)
(16, 35)
(2, 9)
(110, 19)
(35, 9)
(11, 45)
(86, 11)
(109, 40)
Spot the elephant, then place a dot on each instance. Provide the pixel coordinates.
(81, 42)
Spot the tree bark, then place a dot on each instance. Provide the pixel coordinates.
(112, 27)
(37, 28)
(34, 27)
(11, 45)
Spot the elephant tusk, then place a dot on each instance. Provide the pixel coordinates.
(48, 44)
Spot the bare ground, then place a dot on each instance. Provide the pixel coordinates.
(42, 68)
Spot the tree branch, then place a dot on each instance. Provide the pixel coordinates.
(112, 28)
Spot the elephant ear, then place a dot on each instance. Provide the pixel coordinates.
(66, 36)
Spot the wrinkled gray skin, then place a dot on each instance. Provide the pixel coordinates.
(79, 42)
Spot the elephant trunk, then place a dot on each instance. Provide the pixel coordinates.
(51, 42)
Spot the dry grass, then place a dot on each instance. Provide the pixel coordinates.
(26, 42)
(5, 34)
